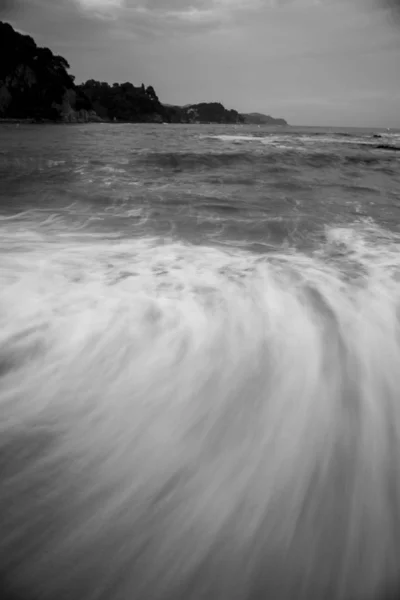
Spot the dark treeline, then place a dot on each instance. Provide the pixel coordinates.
(124, 101)
(33, 80)
(35, 84)
(205, 112)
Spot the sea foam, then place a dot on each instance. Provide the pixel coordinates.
(189, 422)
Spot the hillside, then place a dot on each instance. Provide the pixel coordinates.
(124, 102)
(260, 119)
(35, 85)
(205, 112)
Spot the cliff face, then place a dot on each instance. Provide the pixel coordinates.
(75, 108)
(35, 83)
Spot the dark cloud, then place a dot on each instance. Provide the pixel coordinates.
(392, 5)
(9, 8)
(59, 24)
(393, 11)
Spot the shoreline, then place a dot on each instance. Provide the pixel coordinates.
(9, 121)
(26, 121)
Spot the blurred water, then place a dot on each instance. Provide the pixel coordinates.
(205, 323)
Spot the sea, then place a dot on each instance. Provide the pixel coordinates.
(255, 188)
(230, 228)
(230, 295)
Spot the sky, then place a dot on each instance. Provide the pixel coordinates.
(312, 62)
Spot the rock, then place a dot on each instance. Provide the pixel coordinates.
(5, 99)
(93, 117)
(68, 113)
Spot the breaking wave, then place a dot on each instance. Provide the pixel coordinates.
(199, 422)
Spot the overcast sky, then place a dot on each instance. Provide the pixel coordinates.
(313, 62)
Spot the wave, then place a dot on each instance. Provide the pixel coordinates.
(270, 158)
(146, 170)
(309, 141)
(388, 147)
(193, 160)
(282, 157)
(183, 421)
(293, 138)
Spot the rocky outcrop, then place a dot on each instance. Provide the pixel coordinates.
(35, 83)
(81, 116)
(5, 99)
(68, 112)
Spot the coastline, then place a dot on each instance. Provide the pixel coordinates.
(27, 121)
(31, 121)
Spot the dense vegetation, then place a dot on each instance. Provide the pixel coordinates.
(205, 112)
(35, 84)
(260, 119)
(33, 81)
(124, 102)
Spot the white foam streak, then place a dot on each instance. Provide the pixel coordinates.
(255, 396)
(288, 141)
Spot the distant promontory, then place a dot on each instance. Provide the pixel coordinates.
(35, 86)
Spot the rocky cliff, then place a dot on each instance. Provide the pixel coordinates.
(35, 83)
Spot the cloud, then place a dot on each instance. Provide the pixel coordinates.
(61, 24)
(68, 10)
(149, 17)
(173, 5)
(192, 16)
(101, 4)
(193, 12)
(8, 7)
(174, 16)
(103, 9)
(393, 6)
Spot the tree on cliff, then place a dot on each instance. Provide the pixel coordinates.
(35, 83)
(32, 79)
(215, 112)
(124, 101)
(205, 112)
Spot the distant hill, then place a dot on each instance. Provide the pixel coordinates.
(260, 119)
(214, 112)
(35, 85)
(205, 112)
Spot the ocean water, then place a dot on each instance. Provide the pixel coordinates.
(247, 186)
(199, 362)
